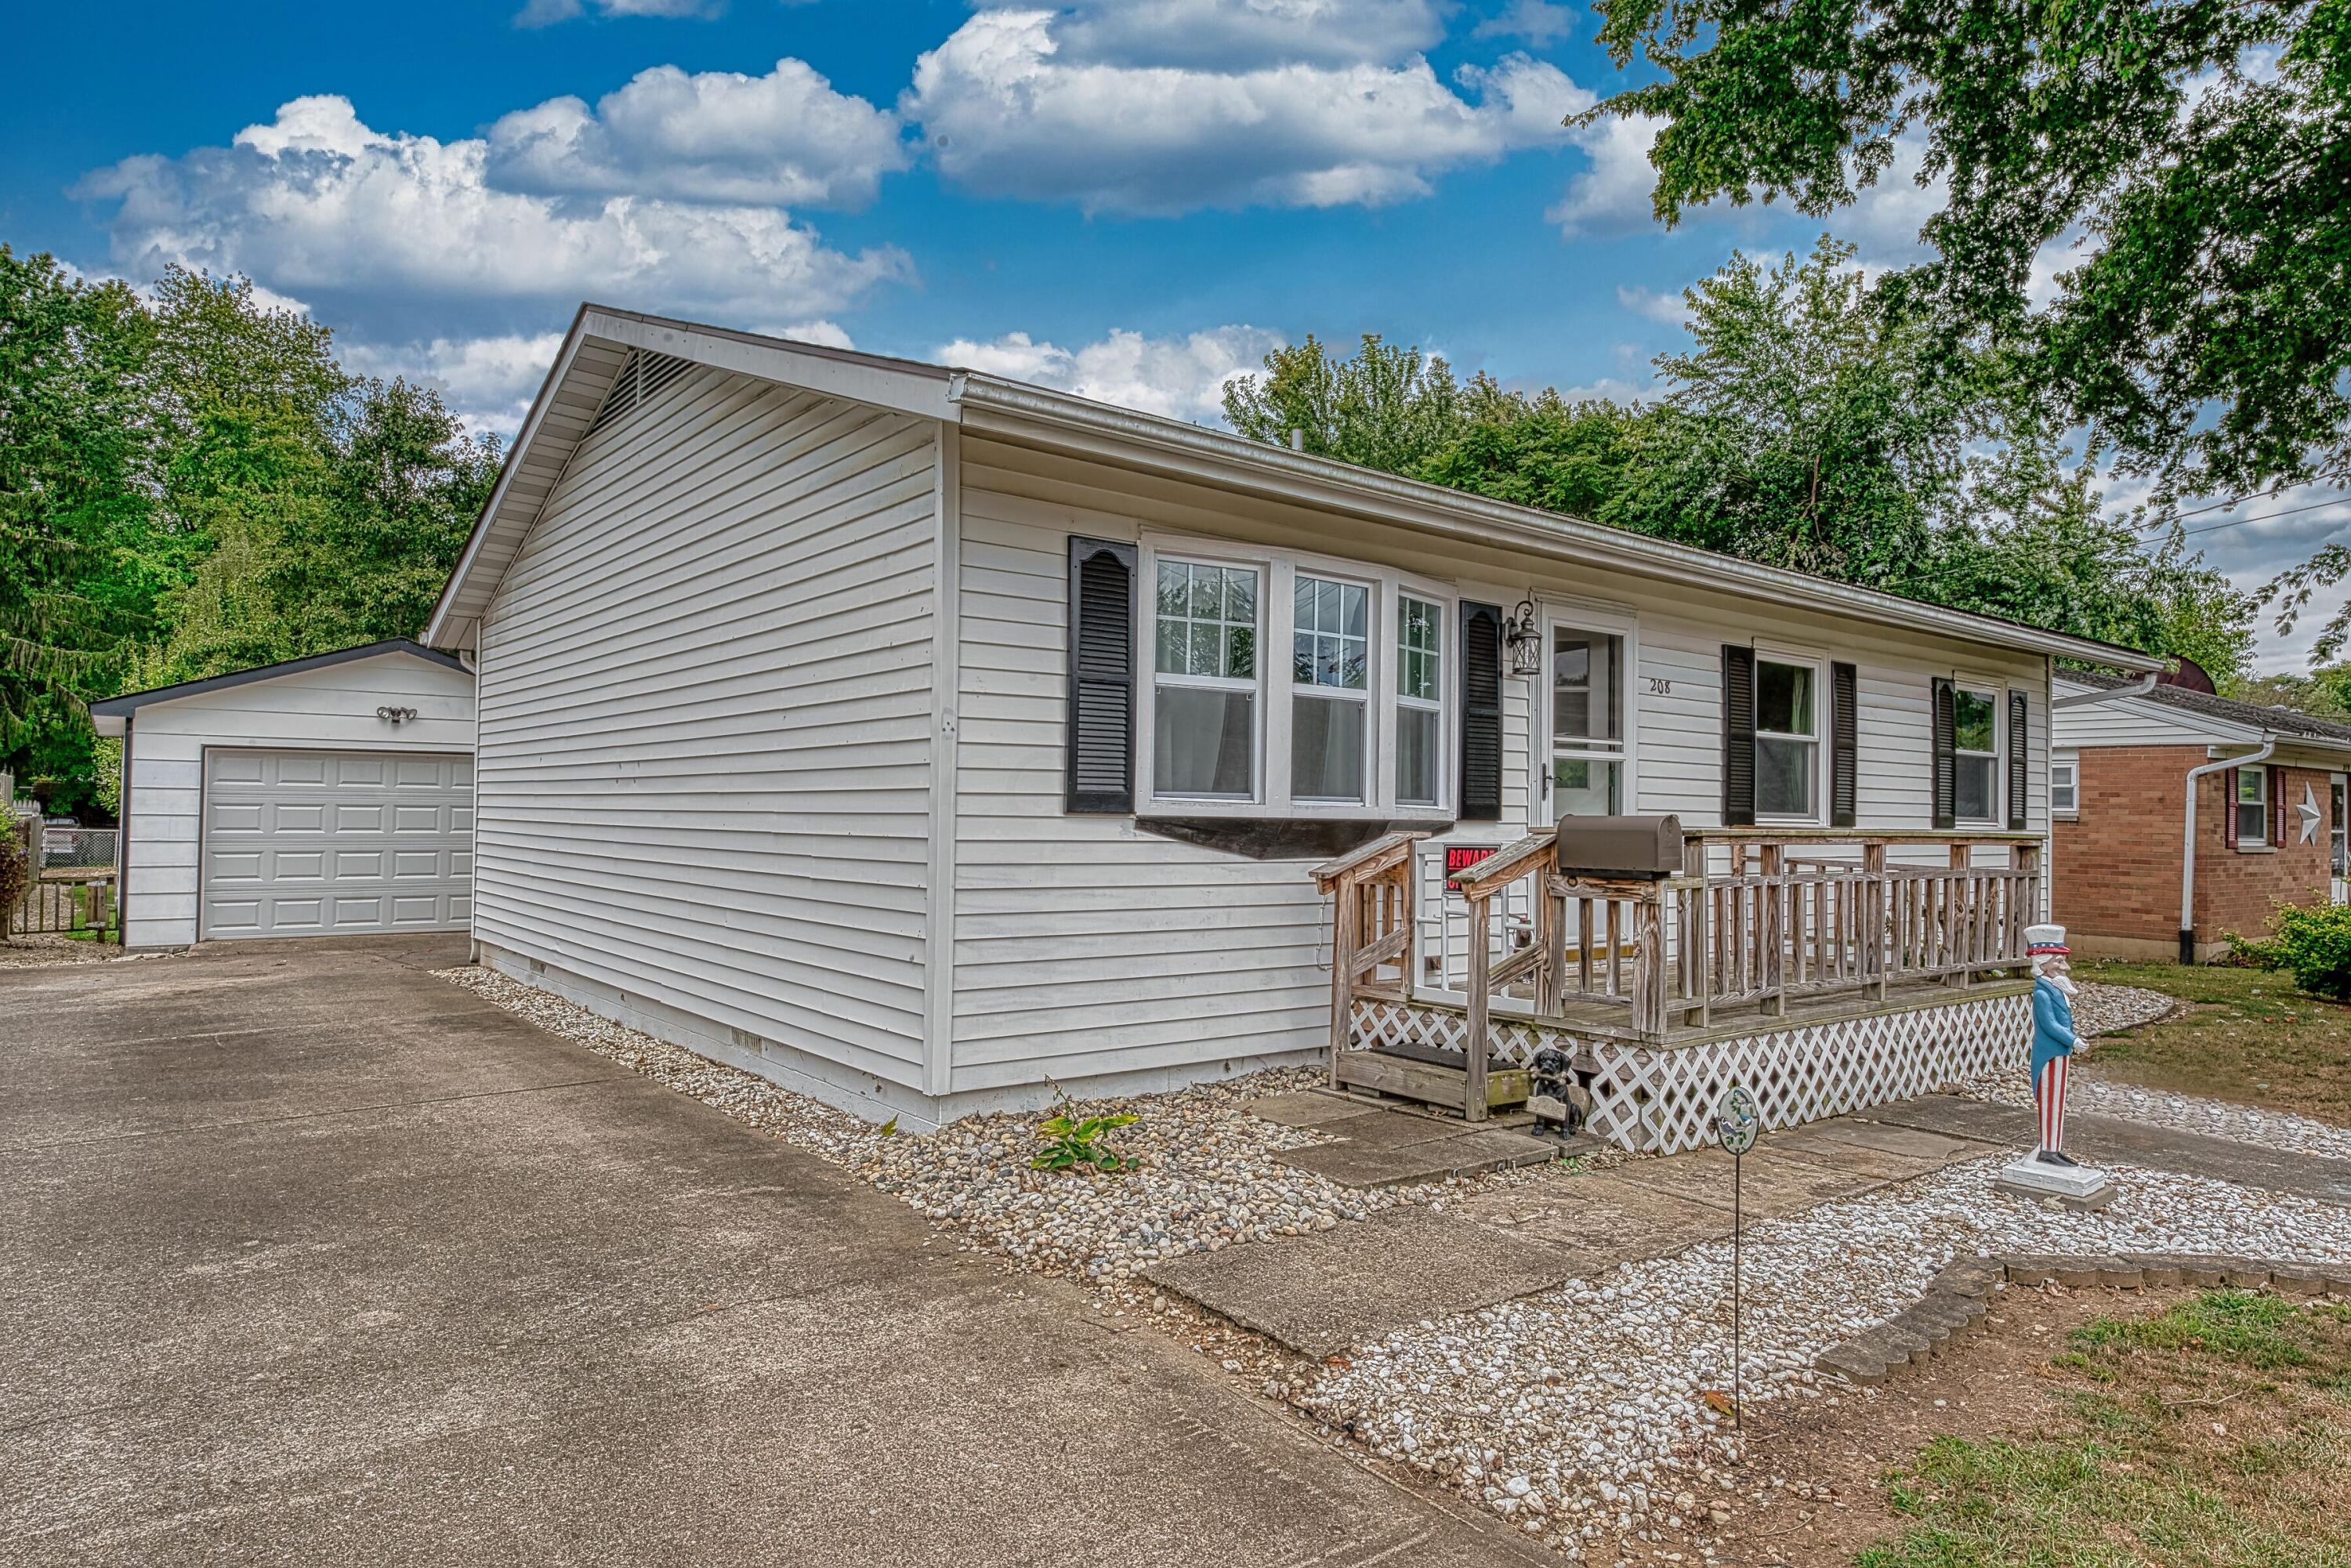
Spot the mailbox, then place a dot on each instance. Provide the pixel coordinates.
(1619, 848)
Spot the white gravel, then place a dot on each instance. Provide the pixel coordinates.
(1580, 1413)
(2109, 1010)
(1205, 1175)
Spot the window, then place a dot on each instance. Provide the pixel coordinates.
(1787, 737)
(1420, 703)
(1331, 670)
(1294, 686)
(1587, 722)
(2065, 784)
(1205, 682)
(1975, 754)
(2252, 808)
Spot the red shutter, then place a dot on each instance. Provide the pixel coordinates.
(2277, 806)
(2228, 807)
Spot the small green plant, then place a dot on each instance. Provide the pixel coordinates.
(2310, 942)
(1072, 1141)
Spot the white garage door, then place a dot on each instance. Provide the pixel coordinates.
(305, 843)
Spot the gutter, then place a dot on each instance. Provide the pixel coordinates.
(1295, 476)
(2188, 859)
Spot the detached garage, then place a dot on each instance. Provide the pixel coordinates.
(323, 797)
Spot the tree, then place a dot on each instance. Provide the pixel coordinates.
(76, 507)
(2205, 335)
(1383, 408)
(1806, 427)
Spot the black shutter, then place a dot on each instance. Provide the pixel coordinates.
(2019, 759)
(1482, 712)
(1102, 677)
(1737, 736)
(1946, 766)
(1845, 746)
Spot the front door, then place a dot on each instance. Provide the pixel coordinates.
(1583, 772)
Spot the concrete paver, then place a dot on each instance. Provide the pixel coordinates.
(305, 1258)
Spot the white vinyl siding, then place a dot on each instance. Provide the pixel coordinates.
(706, 690)
(1086, 947)
(331, 707)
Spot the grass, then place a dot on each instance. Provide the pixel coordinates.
(2214, 1434)
(2247, 1035)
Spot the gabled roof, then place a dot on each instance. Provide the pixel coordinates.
(109, 714)
(2227, 718)
(602, 339)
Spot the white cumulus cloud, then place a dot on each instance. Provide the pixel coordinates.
(1656, 304)
(1539, 22)
(546, 13)
(1223, 34)
(1182, 377)
(783, 138)
(318, 205)
(1009, 112)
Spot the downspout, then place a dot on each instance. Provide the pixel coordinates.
(2187, 858)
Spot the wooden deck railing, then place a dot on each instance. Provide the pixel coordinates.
(1758, 919)
(1371, 890)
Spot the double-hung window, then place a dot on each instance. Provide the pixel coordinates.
(1204, 726)
(1331, 688)
(1587, 722)
(1361, 723)
(1975, 754)
(2252, 808)
(1787, 737)
(1420, 702)
(2065, 784)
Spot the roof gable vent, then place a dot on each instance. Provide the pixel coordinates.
(642, 374)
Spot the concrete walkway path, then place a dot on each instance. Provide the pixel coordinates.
(307, 1258)
(1321, 1293)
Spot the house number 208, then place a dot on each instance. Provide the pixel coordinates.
(1660, 686)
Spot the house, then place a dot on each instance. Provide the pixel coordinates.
(921, 739)
(325, 796)
(2182, 816)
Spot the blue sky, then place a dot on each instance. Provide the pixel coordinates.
(1132, 199)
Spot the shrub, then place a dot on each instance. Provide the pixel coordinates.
(2312, 943)
(15, 863)
(1072, 1142)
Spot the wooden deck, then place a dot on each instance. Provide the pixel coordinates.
(1764, 933)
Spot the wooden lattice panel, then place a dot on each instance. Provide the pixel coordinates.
(1663, 1102)
(1377, 1023)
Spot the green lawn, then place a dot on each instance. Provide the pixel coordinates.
(2214, 1434)
(2248, 1034)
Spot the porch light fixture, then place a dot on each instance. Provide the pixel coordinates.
(395, 716)
(1523, 634)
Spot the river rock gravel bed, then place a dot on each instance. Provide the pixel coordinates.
(2109, 1010)
(1582, 1413)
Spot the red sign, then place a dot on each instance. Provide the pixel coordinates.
(1459, 858)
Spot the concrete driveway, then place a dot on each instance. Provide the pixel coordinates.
(308, 1257)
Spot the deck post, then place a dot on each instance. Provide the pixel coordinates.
(1649, 965)
(1344, 922)
(1473, 1048)
(1774, 937)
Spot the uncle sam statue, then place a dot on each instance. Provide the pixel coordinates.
(2052, 1036)
(2049, 1171)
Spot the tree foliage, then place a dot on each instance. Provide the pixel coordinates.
(2199, 147)
(191, 484)
(1803, 427)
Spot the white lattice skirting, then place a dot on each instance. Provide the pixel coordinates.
(1663, 1101)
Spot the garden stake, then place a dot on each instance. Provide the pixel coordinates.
(1736, 1122)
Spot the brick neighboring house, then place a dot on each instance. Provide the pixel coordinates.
(2268, 832)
